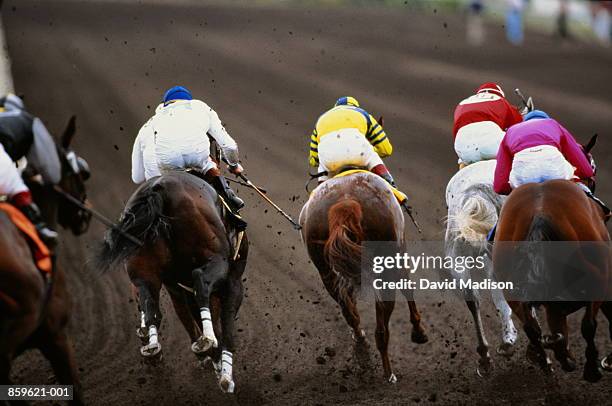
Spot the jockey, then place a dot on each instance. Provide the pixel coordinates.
(23, 135)
(176, 138)
(480, 122)
(537, 150)
(346, 136)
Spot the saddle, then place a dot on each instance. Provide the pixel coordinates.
(40, 252)
(399, 195)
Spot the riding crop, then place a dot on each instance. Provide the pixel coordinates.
(267, 199)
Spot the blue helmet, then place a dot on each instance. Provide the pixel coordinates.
(535, 114)
(177, 93)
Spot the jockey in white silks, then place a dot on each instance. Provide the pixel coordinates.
(176, 137)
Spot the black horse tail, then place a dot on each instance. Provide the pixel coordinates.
(539, 253)
(541, 229)
(143, 219)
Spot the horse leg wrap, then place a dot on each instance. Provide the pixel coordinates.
(141, 331)
(153, 347)
(208, 339)
(224, 370)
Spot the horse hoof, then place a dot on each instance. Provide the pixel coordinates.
(150, 350)
(392, 379)
(203, 344)
(227, 385)
(359, 338)
(419, 337)
(568, 364)
(505, 350)
(592, 374)
(606, 364)
(484, 368)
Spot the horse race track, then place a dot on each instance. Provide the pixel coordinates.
(269, 72)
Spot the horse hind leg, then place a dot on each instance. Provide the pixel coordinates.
(151, 317)
(384, 309)
(558, 340)
(204, 279)
(230, 305)
(509, 332)
(606, 308)
(484, 363)
(418, 334)
(180, 303)
(588, 328)
(346, 300)
(535, 349)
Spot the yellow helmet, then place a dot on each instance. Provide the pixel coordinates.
(347, 101)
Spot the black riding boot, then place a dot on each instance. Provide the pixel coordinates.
(32, 212)
(221, 186)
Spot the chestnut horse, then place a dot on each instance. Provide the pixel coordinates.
(34, 312)
(556, 210)
(187, 248)
(342, 213)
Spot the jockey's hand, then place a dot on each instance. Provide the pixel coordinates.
(236, 169)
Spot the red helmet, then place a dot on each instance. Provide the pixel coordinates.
(491, 87)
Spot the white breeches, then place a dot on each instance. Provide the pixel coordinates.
(11, 182)
(346, 147)
(478, 141)
(539, 164)
(174, 158)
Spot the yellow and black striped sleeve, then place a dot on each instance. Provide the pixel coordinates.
(314, 148)
(379, 140)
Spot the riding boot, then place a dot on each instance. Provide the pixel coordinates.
(221, 186)
(32, 212)
(382, 171)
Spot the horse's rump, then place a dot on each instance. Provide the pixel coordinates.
(549, 241)
(176, 208)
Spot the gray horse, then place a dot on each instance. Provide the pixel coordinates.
(473, 209)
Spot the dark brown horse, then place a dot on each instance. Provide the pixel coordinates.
(341, 214)
(34, 312)
(189, 249)
(556, 210)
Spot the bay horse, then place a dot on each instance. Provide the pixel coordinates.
(186, 248)
(556, 210)
(473, 210)
(34, 312)
(342, 213)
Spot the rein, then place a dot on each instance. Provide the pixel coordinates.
(97, 215)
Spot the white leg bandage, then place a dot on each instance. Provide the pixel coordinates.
(153, 335)
(224, 370)
(207, 327)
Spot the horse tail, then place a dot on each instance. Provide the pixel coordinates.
(143, 219)
(541, 229)
(474, 220)
(538, 256)
(343, 247)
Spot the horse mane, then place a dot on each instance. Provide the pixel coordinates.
(143, 218)
(343, 247)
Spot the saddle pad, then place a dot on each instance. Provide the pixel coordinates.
(399, 195)
(42, 256)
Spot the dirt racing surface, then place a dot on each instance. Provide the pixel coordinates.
(269, 72)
